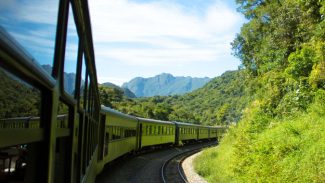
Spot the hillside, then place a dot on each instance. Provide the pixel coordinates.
(126, 92)
(17, 99)
(163, 85)
(220, 101)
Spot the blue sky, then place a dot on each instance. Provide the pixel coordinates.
(135, 37)
(32, 23)
(148, 37)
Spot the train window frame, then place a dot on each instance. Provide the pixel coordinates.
(71, 21)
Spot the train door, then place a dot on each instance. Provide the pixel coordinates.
(102, 140)
(176, 134)
(140, 135)
(197, 133)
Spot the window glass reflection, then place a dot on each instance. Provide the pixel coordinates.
(33, 24)
(71, 53)
(83, 81)
(19, 103)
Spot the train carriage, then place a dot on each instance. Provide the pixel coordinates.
(203, 132)
(216, 132)
(120, 134)
(155, 132)
(186, 132)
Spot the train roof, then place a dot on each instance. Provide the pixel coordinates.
(154, 121)
(105, 109)
(202, 126)
(187, 124)
(218, 127)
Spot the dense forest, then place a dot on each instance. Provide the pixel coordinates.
(274, 104)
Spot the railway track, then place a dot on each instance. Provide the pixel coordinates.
(146, 167)
(171, 170)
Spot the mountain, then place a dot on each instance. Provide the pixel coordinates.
(125, 91)
(69, 79)
(220, 101)
(164, 84)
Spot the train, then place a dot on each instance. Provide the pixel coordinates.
(123, 134)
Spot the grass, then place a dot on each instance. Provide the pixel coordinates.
(287, 150)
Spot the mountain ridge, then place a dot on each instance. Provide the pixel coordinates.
(164, 84)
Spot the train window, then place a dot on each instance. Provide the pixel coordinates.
(71, 53)
(159, 130)
(33, 25)
(63, 116)
(20, 103)
(122, 133)
(106, 141)
(83, 81)
(86, 92)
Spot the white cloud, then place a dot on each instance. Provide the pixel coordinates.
(162, 26)
(164, 32)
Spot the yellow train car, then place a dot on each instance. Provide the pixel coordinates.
(216, 132)
(186, 132)
(155, 132)
(203, 132)
(120, 134)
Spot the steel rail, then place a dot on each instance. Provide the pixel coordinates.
(174, 156)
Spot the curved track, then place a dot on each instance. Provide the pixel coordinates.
(171, 170)
(143, 168)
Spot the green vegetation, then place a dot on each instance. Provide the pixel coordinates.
(280, 137)
(221, 101)
(287, 150)
(17, 99)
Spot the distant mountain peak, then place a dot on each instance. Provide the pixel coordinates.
(164, 84)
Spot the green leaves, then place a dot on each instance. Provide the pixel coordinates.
(301, 63)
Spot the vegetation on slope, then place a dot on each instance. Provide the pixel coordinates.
(288, 150)
(281, 135)
(220, 101)
(17, 99)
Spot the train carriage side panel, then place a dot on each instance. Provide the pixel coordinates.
(156, 132)
(187, 132)
(203, 132)
(120, 134)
